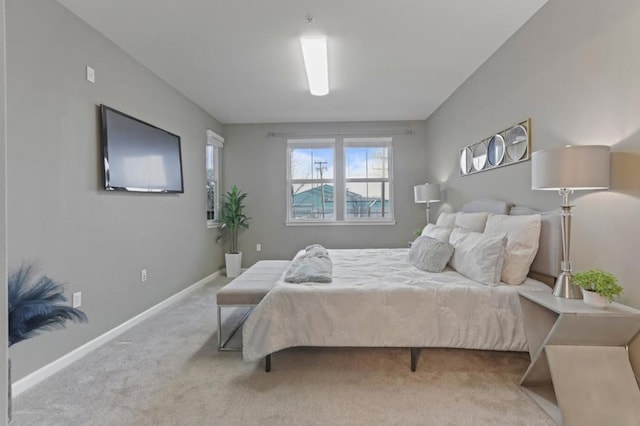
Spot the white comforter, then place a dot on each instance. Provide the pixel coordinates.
(378, 299)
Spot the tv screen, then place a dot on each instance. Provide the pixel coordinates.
(138, 156)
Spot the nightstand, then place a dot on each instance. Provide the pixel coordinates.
(580, 372)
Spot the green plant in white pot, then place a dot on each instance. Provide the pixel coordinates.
(598, 287)
(233, 219)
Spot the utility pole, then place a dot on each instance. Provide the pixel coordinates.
(385, 161)
(321, 167)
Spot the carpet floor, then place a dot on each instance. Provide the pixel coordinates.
(167, 371)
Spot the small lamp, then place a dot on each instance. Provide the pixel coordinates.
(427, 193)
(568, 169)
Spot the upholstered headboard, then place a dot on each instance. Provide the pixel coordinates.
(546, 264)
(487, 205)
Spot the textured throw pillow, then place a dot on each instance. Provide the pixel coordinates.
(478, 256)
(472, 221)
(438, 232)
(523, 237)
(430, 254)
(447, 220)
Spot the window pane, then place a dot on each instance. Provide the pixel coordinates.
(312, 163)
(367, 200)
(366, 162)
(210, 162)
(312, 201)
(211, 185)
(211, 200)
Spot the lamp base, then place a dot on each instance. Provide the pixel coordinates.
(565, 288)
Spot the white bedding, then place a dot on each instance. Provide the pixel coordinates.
(378, 299)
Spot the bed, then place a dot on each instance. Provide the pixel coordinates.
(378, 299)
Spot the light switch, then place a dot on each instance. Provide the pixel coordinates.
(91, 74)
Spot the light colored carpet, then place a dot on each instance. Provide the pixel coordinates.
(167, 371)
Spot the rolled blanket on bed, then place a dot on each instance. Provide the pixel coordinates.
(312, 266)
(316, 248)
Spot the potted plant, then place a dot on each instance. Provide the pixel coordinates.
(35, 305)
(232, 220)
(598, 287)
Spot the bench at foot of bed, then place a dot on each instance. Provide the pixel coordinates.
(247, 291)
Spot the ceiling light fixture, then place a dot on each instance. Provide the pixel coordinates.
(314, 52)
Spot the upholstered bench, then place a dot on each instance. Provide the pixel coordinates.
(247, 290)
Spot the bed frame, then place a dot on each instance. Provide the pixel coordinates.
(545, 267)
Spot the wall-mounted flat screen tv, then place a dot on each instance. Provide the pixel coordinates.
(138, 156)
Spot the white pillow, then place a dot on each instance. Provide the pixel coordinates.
(447, 220)
(438, 232)
(430, 254)
(472, 221)
(478, 256)
(523, 238)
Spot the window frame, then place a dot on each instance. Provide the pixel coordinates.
(339, 180)
(215, 142)
(320, 143)
(369, 142)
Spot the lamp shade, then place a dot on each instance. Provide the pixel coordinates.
(426, 193)
(572, 167)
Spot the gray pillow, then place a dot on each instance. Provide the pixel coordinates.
(429, 254)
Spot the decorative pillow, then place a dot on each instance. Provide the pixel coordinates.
(430, 254)
(438, 232)
(549, 256)
(472, 221)
(523, 238)
(478, 256)
(447, 220)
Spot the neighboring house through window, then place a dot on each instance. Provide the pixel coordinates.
(340, 180)
(212, 166)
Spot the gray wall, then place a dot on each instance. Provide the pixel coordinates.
(3, 217)
(59, 216)
(574, 68)
(257, 164)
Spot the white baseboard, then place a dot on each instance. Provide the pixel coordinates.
(62, 362)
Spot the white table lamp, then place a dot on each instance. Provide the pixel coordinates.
(568, 169)
(427, 193)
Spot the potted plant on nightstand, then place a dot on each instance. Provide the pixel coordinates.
(598, 287)
(233, 220)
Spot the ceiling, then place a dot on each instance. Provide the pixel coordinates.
(241, 61)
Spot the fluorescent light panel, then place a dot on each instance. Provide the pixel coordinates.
(314, 52)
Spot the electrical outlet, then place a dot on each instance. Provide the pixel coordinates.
(258, 247)
(91, 74)
(143, 276)
(77, 299)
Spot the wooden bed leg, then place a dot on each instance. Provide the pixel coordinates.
(267, 363)
(414, 358)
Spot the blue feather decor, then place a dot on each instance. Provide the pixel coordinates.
(35, 305)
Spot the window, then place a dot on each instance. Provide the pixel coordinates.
(339, 180)
(367, 178)
(212, 166)
(311, 179)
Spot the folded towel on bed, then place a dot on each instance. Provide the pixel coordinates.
(312, 266)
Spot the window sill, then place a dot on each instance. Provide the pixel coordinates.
(343, 223)
(212, 224)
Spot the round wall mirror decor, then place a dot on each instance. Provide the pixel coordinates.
(465, 161)
(495, 150)
(517, 142)
(479, 156)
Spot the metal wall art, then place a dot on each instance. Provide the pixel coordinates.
(509, 146)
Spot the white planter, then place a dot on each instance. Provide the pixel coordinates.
(594, 300)
(233, 263)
